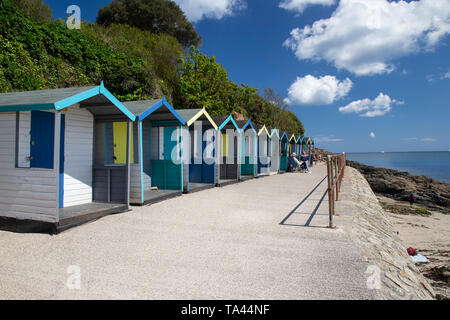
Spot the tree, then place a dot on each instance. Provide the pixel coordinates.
(156, 16)
(205, 83)
(36, 9)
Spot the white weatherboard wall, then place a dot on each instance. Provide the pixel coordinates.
(25, 193)
(78, 156)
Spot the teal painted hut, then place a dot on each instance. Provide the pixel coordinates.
(249, 149)
(157, 166)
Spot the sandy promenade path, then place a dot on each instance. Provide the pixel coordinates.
(261, 239)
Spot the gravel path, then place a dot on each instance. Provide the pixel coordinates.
(260, 239)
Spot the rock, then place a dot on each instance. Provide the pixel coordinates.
(398, 185)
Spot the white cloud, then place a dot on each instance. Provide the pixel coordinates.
(310, 90)
(197, 10)
(411, 139)
(428, 140)
(371, 108)
(328, 139)
(365, 37)
(372, 135)
(300, 5)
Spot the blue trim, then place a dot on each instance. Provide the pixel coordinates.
(29, 107)
(142, 161)
(117, 103)
(230, 118)
(188, 157)
(62, 144)
(158, 105)
(77, 98)
(181, 157)
(249, 123)
(284, 135)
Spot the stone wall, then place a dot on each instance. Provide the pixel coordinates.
(391, 271)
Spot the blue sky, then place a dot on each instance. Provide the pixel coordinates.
(348, 68)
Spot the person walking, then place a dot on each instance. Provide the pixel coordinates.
(412, 198)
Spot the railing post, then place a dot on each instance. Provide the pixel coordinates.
(330, 196)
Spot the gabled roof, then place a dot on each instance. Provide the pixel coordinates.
(58, 99)
(299, 139)
(192, 115)
(222, 121)
(142, 109)
(246, 124)
(292, 138)
(273, 132)
(284, 135)
(261, 129)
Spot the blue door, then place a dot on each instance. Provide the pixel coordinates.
(42, 139)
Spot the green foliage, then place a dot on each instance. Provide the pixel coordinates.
(205, 83)
(156, 16)
(36, 9)
(134, 64)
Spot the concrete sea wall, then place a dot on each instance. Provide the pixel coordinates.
(391, 271)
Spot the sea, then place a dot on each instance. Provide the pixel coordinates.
(433, 164)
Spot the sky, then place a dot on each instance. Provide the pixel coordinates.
(362, 75)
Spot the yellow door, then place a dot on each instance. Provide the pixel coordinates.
(120, 143)
(224, 145)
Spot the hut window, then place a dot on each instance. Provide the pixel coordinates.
(23, 136)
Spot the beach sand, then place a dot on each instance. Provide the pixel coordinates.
(430, 236)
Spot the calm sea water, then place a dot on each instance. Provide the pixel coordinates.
(435, 165)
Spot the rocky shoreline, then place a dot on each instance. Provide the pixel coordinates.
(398, 185)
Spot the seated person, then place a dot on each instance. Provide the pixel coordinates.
(305, 160)
(293, 161)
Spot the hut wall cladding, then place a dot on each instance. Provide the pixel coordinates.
(187, 147)
(79, 130)
(135, 168)
(146, 136)
(25, 193)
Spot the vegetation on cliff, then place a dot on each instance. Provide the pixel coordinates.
(37, 52)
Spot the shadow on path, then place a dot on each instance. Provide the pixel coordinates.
(307, 224)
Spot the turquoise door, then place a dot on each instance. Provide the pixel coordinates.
(169, 144)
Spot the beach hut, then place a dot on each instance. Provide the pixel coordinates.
(274, 151)
(227, 147)
(157, 169)
(249, 153)
(298, 146)
(284, 144)
(199, 144)
(263, 150)
(54, 166)
(292, 145)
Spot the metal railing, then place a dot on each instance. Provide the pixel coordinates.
(335, 171)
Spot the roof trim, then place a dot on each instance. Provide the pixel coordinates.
(159, 104)
(284, 135)
(77, 98)
(230, 118)
(275, 131)
(264, 128)
(249, 123)
(202, 112)
(292, 137)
